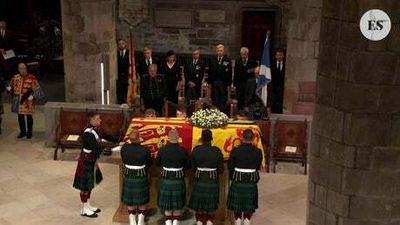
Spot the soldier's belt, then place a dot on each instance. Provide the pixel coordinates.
(245, 170)
(206, 169)
(135, 167)
(172, 169)
(87, 151)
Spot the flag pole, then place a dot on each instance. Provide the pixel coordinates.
(132, 85)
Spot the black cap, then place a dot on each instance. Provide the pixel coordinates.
(206, 136)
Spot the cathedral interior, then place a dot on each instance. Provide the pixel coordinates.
(342, 87)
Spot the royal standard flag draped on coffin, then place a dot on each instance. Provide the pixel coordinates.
(154, 134)
(228, 137)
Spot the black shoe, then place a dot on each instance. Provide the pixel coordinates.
(94, 215)
(29, 136)
(21, 135)
(97, 210)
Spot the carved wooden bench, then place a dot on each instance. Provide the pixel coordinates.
(69, 130)
(72, 124)
(290, 142)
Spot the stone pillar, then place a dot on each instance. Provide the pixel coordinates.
(89, 34)
(302, 54)
(355, 154)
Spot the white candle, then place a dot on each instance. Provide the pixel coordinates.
(102, 82)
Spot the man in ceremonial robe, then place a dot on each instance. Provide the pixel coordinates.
(123, 72)
(194, 72)
(154, 90)
(220, 77)
(244, 80)
(244, 163)
(25, 90)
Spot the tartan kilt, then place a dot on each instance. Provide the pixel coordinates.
(243, 197)
(171, 194)
(205, 196)
(135, 191)
(87, 172)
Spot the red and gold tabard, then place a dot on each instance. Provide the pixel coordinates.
(154, 134)
(21, 85)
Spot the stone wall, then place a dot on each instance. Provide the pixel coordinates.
(302, 53)
(355, 152)
(88, 33)
(211, 23)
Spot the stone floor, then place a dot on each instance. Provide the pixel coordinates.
(34, 189)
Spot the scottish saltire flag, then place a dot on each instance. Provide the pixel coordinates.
(265, 72)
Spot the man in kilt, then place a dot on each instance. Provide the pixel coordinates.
(207, 163)
(135, 193)
(173, 160)
(244, 163)
(88, 172)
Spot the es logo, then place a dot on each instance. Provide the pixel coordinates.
(375, 24)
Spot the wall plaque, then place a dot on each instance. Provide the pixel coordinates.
(212, 16)
(173, 18)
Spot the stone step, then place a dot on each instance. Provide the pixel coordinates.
(303, 108)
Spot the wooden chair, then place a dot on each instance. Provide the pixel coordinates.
(290, 143)
(112, 123)
(265, 127)
(170, 109)
(70, 123)
(191, 109)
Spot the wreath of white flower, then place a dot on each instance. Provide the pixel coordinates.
(209, 118)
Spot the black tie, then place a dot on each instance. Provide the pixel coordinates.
(148, 62)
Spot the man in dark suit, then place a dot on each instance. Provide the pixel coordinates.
(145, 61)
(123, 72)
(276, 86)
(244, 79)
(194, 74)
(6, 43)
(220, 77)
(154, 90)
